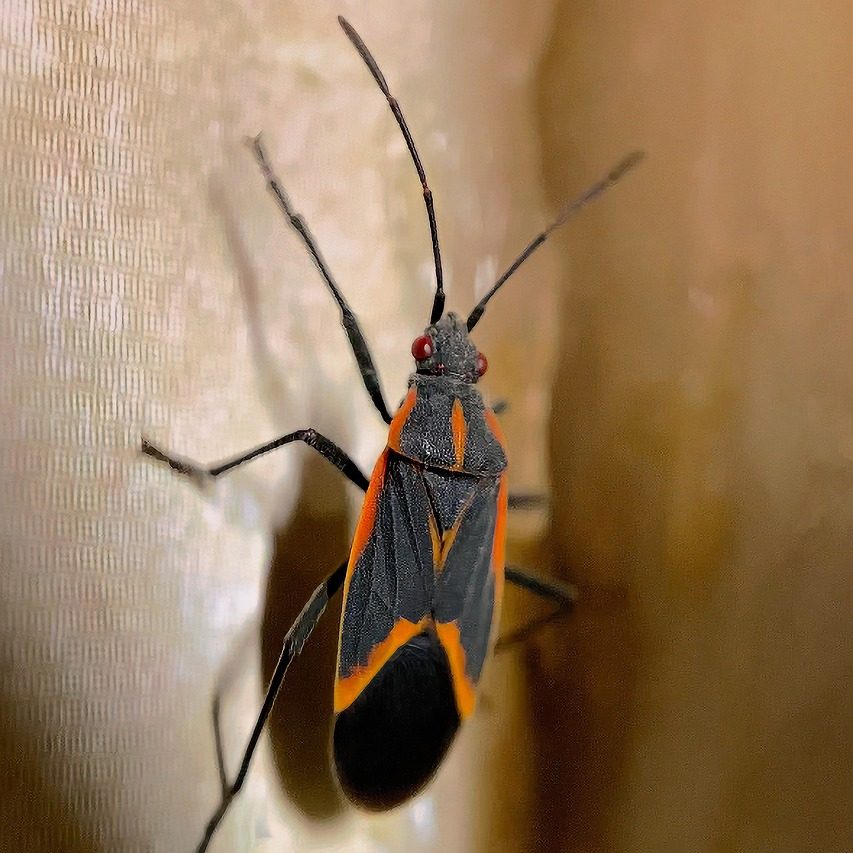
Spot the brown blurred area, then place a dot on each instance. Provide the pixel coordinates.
(676, 360)
(701, 431)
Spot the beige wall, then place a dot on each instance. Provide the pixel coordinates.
(684, 344)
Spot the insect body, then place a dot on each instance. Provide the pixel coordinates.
(425, 575)
(424, 579)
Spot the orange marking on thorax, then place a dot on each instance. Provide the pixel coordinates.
(460, 431)
(348, 689)
(435, 540)
(463, 689)
(396, 428)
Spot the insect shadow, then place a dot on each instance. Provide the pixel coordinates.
(300, 723)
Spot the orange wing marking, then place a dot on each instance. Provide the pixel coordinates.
(499, 543)
(448, 636)
(367, 519)
(435, 540)
(364, 528)
(443, 542)
(348, 689)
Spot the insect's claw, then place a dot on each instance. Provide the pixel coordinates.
(180, 466)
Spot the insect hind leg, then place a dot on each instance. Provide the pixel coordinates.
(562, 596)
(294, 640)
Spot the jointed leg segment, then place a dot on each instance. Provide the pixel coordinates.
(348, 319)
(325, 447)
(293, 643)
(562, 595)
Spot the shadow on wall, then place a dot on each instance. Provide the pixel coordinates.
(309, 548)
(50, 823)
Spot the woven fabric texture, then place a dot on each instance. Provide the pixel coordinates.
(149, 285)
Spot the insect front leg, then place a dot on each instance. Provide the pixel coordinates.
(324, 446)
(358, 343)
(294, 640)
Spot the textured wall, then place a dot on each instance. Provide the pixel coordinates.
(700, 437)
(149, 284)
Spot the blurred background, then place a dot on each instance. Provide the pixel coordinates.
(677, 362)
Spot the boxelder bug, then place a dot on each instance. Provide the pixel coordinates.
(424, 579)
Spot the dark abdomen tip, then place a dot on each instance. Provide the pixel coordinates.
(389, 742)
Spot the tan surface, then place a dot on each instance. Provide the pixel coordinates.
(702, 430)
(701, 439)
(150, 284)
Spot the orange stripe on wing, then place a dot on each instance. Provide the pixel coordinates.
(364, 529)
(451, 641)
(460, 431)
(499, 544)
(447, 540)
(396, 428)
(348, 689)
(367, 518)
(443, 544)
(435, 540)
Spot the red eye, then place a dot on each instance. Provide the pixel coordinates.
(422, 348)
(482, 364)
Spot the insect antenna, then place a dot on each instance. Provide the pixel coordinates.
(379, 77)
(562, 218)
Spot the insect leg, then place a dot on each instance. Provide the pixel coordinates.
(295, 639)
(526, 500)
(562, 595)
(520, 500)
(348, 320)
(326, 448)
